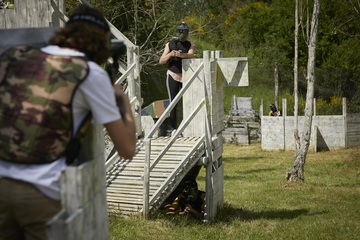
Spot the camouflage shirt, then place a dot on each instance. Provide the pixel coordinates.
(36, 89)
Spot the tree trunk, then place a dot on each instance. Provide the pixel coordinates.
(297, 172)
(296, 71)
(276, 76)
(296, 74)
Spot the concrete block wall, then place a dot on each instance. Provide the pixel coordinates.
(277, 133)
(328, 131)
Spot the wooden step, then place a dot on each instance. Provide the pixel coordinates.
(124, 178)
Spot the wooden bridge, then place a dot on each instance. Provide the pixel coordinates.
(140, 186)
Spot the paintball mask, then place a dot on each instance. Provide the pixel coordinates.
(190, 191)
(182, 31)
(273, 108)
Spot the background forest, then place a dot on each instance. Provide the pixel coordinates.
(263, 31)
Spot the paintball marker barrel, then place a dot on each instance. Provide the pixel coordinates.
(117, 48)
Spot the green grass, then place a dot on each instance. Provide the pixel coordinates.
(261, 204)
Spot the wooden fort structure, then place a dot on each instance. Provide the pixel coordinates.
(105, 183)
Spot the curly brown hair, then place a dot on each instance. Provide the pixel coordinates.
(85, 36)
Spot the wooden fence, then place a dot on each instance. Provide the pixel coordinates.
(83, 195)
(83, 186)
(32, 14)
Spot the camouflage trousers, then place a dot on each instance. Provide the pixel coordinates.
(24, 211)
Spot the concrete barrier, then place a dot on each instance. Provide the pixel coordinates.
(328, 131)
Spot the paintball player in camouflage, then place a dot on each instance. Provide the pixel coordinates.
(48, 98)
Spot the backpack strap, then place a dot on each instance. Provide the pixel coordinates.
(73, 149)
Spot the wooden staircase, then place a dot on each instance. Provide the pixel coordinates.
(125, 182)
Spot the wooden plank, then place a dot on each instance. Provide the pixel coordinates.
(56, 226)
(135, 176)
(28, 13)
(121, 191)
(174, 156)
(217, 152)
(178, 143)
(133, 199)
(129, 182)
(128, 197)
(125, 178)
(89, 221)
(83, 195)
(86, 192)
(140, 166)
(123, 207)
(73, 225)
(101, 216)
(69, 189)
(137, 193)
(118, 185)
(164, 162)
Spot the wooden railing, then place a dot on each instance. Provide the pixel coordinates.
(147, 142)
(149, 166)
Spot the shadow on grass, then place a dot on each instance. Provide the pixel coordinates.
(258, 170)
(229, 214)
(240, 174)
(237, 159)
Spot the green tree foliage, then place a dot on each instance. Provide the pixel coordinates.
(263, 31)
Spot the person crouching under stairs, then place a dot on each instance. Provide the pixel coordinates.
(190, 201)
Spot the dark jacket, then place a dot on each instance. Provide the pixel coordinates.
(175, 63)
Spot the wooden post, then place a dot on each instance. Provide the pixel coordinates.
(26, 14)
(146, 177)
(134, 88)
(83, 195)
(214, 169)
(209, 84)
(209, 156)
(284, 113)
(218, 54)
(344, 113)
(209, 193)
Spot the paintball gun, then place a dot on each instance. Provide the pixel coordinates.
(118, 48)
